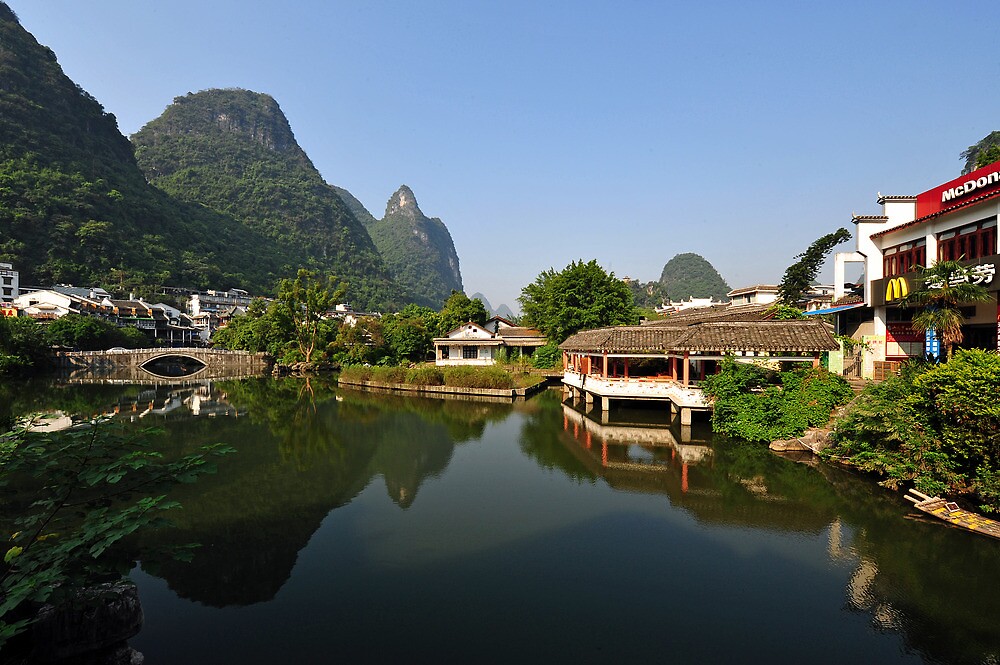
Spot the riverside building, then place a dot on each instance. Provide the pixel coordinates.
(953, 221)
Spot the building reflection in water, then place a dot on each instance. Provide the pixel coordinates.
(197, 399)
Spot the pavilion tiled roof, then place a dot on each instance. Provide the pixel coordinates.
(755, 312)
(516, 331)
(718, 336)
(849, 299)
(625, 339)
(769, 336)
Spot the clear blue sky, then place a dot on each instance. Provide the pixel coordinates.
(543, 132)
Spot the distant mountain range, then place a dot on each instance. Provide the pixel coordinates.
(216, 192)
(503, 310)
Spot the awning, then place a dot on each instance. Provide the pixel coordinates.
(832, 310)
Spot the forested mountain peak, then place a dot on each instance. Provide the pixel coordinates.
(689, 275)
(233, 150)
(75, 208)
(418, 250)
(403, 201)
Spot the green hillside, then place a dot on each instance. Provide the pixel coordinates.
(75, 208)
(418, 250)
(691, 276)
(234, 151)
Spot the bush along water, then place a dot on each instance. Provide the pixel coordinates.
(935, 427)
(491, 378)
(759, 404)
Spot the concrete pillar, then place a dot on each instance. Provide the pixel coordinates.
(605, 404)
(685, 416)
(685, 433)
(588, 397)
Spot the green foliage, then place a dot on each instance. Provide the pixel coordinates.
(425, 375)
(459, 309)
(945, 287)
(306, 299)
(22, 345)
(757, 404)
(80, 493)
(691, 276)
(409, 334)
(87, 333)
(937, 427)
(648, 295)
(357, 372)
(495, 378)
(579, 297)
(547, 357)
(418, 251)
(250, 168)
(801, 274)
(783, 312)
(985, 152)
(393, 374)
(74, 207)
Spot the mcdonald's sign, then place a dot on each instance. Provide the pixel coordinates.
(896, 288)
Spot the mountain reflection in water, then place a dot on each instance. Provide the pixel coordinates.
(567, 533)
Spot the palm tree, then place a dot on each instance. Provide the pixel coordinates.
(946, 286)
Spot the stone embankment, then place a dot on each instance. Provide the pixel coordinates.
(508, 393)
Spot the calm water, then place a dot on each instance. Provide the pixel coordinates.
(359, 527)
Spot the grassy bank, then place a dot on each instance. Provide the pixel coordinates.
(484, 378)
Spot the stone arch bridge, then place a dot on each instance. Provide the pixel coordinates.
(137, 363)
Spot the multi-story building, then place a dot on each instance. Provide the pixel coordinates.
(8, 283)
(217, 301)
(953, 221)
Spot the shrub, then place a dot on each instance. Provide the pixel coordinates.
(478, 377)
(933, 426)
(758, 404)
(391, 374)
(425, 375)
(356, 373)
(546, 357)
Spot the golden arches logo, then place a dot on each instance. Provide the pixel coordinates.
(896, 288)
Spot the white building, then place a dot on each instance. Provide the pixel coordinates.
(8, 283)
(953, 221)
(759, 294)
(217, 301)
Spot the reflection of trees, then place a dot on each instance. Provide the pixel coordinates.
(304, 450)
(543, 439)
(22, 398)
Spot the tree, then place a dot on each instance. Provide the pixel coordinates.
(579, 297)
(945, 286)
(22, 344)
(306, 299)
(459, 309)
(801, 274)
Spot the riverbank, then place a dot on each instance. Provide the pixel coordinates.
(509, 393)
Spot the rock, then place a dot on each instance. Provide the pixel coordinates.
(91, 629)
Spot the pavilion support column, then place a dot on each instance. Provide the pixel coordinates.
(687, 368)
(673, 367)
(685, 416)
(604, 366)
(588, 398)
(816, 361)
(626, 367)
(605, 404)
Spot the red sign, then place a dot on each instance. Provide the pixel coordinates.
(981, 181)
(8, 312)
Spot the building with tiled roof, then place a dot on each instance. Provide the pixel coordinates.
(472, 344)
(956, 220)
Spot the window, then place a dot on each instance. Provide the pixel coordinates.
(445, 352)
(904, 258)
(972, 241)
(470, 352)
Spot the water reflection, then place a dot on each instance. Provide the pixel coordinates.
(307, 450)
(919, 579)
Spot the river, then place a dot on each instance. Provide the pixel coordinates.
(361, 527)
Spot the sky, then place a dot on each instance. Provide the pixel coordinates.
(546, 132)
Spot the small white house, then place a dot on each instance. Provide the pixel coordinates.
(468, 344)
